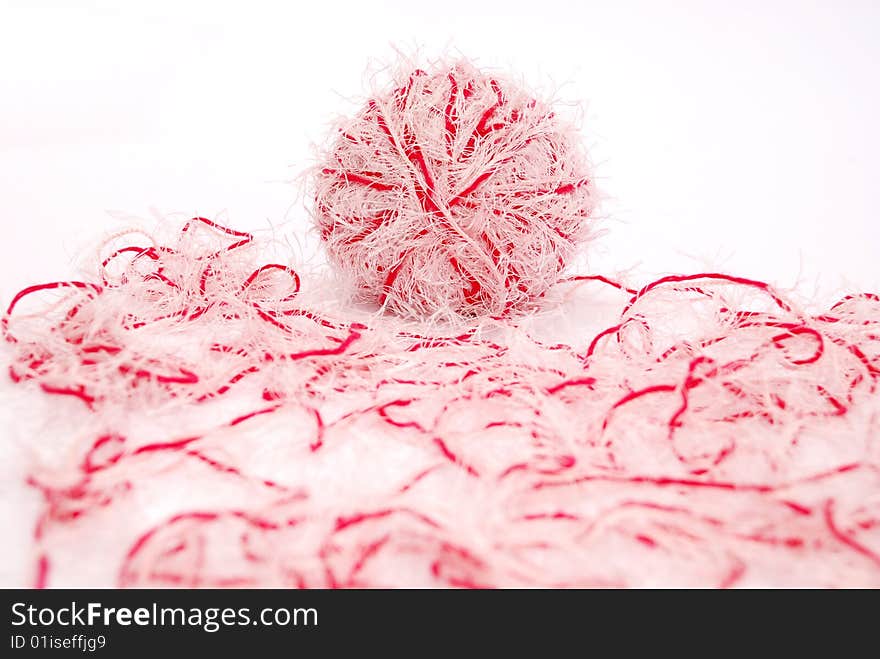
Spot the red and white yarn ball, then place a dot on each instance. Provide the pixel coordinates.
(454, 193)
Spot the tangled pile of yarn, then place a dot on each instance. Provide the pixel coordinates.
(216, 429)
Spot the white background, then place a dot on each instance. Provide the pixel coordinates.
(740, 136)
(734, 135)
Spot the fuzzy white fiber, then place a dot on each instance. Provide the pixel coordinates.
(205, 419)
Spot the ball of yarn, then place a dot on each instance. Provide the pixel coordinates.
(453, 193)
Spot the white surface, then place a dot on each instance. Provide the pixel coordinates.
(737, 136)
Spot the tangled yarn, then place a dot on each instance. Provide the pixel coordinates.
(453, 193)
(220, 430)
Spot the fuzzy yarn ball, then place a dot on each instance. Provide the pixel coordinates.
(453, 193)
